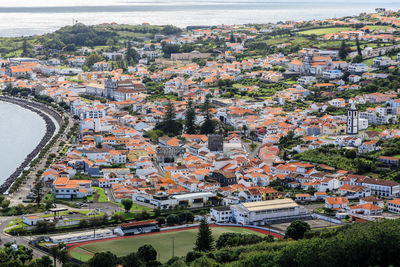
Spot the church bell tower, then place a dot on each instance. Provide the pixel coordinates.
(352, 120)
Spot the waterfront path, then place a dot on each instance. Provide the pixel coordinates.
(24, 189)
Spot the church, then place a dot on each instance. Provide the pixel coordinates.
(352, 120)
(121, 90)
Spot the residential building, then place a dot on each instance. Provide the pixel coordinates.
(336, 203)
(221, 214)
(394, 205)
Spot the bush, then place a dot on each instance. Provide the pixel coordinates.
(192, 255)
(235, 239)
(297, 229)
(172, 219)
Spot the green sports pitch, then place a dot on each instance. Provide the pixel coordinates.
(183, 243)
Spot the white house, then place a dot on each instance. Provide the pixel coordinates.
(358, 68)
(221, 214)
(332, 74)
(31, 219)
(394, 205)
(336, 202)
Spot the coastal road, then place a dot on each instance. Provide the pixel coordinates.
(24, 189)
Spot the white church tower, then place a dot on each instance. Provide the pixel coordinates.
(352, 120)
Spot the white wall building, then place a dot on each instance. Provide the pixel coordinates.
(264, 212)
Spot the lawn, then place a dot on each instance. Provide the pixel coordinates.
(162, 242)
(377, 27)
(369, 62)
(135, 207)
(102, 194)
(324, 31)
(127, 215)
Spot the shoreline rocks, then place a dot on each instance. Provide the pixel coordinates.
(43, 111)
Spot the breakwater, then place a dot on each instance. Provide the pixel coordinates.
(44, 112)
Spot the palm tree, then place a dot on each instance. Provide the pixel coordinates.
(244, 129)
(59, 253)
(252, 135)
(63, 256)
(54, 252)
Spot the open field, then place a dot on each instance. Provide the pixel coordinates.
(377, 27)
(324, 31)
(184, 242)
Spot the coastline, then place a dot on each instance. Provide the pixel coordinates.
(46, 114)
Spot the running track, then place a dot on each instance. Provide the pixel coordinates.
(74, 245)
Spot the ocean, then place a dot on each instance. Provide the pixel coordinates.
(20, 132)
(30, 17)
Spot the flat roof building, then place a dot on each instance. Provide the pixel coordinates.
(267, 212)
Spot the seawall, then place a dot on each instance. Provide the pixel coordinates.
(46, 114)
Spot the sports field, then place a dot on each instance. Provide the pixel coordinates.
(162, 242)
(324, 31)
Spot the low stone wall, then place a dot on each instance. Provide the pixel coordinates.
(42, 111)
(326, 218)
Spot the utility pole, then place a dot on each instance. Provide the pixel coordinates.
(173, 246)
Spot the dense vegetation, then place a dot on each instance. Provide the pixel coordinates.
(337, 158)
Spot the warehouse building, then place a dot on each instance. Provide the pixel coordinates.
(268, 212)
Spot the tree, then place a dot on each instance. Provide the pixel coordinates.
(44, 261)
(359, 51)
(131, 55)
(344, 50)
(61, 253)
(25, 48)
(157, 212)
(127, 203)
(38, 190)
(160, 220)
(118, 218)
(132, 260)
(204, 241)
(172, 219)
(190, 118)
(83, 223)
(297, 229)
(91, 59)
(103, 259)
(244, 129)
(253, 135)
(169, 49)
(208, 125)
(232, 39)
(54, 253)
(169, 125)
(192, 255)
(147, 253)
(350, 154)
(5, 204)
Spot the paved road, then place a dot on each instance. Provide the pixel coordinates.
(376, 52)
(18, 240)
(21, 193)
(252, 153)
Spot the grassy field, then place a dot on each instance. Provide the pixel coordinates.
(183, 240)
(377, 27)
(324, 31)
(135, 207)
(369, 62)
(101, 193)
